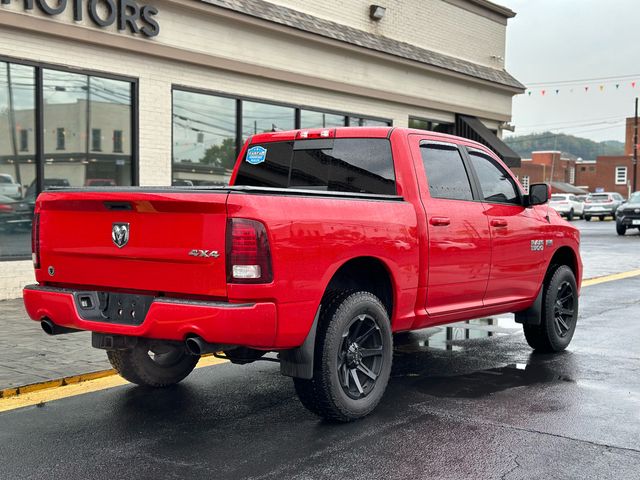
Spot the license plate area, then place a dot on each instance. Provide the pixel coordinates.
(109, 307)
(635, 222)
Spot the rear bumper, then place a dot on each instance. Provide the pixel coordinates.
(594, 212)
(252, 325)
(632, 220)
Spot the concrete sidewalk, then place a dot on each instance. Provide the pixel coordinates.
(28, 355)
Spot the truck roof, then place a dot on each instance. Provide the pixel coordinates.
(356, 132)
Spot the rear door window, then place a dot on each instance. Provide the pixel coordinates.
(358, 165)
(446, 174)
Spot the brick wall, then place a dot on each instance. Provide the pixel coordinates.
(546, 167)
(603, 176)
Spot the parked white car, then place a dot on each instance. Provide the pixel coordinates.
(567, 205)
(9, 188)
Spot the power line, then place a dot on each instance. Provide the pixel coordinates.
(584, 80)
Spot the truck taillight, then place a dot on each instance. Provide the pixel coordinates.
(35, 240)
(248, 252)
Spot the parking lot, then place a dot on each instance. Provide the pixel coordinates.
(471, 401)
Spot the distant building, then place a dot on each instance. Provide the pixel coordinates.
(610, 173)
(607, 173)
(553, 167)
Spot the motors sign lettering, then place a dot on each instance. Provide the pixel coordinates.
(127, 14)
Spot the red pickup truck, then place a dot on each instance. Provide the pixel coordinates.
(325, 243)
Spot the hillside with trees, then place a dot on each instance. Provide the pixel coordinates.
(579, 147)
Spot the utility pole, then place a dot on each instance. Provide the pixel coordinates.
(635, 149)
(13, 126)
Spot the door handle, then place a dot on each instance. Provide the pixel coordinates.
(498, 222)
(439, 221)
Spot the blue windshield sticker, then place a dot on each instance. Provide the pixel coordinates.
(256, 155)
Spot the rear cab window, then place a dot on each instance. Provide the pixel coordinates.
(357, 165)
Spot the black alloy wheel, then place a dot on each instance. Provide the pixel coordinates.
(564, 310)
(559, 312)
(360, 358)
(352, 361)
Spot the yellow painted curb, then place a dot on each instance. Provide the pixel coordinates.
(610, 278)
(39, 393)
(60, 382)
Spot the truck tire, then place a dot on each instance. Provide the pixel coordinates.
(587, 218)
(153, 364)
(353, 354)
(620, 229)
(559, 314)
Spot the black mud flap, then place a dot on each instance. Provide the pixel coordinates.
(533, 314)
(298, 362)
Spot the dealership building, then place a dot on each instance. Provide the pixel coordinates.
(162, 92)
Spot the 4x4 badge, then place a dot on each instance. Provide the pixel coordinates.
(204, 253)
(120, 234)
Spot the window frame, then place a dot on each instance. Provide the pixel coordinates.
(118, 135)
(24, 140)
(96, 140)
(621, 168)
(39, 146)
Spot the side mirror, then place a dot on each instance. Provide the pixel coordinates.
(539, 194)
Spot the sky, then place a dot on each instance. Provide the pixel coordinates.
(569, 45)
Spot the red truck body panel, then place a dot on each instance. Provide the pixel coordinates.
(447, 260)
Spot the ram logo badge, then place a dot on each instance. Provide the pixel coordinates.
(204, 253)
(120, 234)
(537, 245)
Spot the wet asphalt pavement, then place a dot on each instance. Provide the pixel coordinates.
(475, 407)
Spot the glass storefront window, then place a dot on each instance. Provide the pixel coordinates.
(17, 158)
(311, 119)
(109, 112)
(79, 112)
(204, 138)
(262, 117)
(367, 122)
(84, 116)
(434, 126)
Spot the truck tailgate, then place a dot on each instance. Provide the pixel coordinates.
(175, 242)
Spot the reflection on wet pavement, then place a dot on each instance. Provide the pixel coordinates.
(449, 337)
(475, 366)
